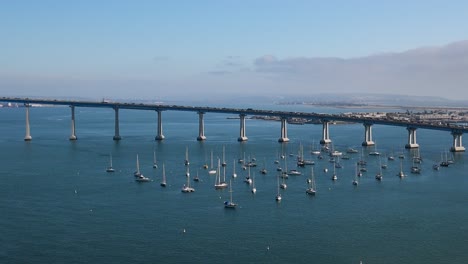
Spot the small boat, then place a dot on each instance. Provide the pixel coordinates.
(186, 161)
(379, 175)
(223, 163)
(415, 168)
(263, 170)
(155, 164)
(375, 152)
(254, 189)
(163, 181)
(220, 184)
(212, 171)
(138, 175)
(312, 189)
(186, 188)
(230, 204)
(234, 174)
(401, 174)
(196, 178)
(110, 168)
(345, 157)
(444, 162)
(248, 179)
(436, 167)
(356, 175)
(294, 172)
(352, 150)
(334, 177)
(278, 194)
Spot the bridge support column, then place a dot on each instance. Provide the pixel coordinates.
(284, 131)
(160, 135)
(368, 135)
(201, 127)
(117, 130)
(411, 138)
(242, 136)
(325, 133)
(28, 131)
(457, 142)
(73, 132)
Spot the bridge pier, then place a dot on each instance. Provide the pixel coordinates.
(325, 133)
(73, 131)
(117, 130)
(284, 131)
(242, 136)
(201, 127)
(411, 138)
(457, 142)
(368, 135)
(28, 131)
(160, 135)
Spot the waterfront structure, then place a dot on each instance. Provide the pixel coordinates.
(456, 130)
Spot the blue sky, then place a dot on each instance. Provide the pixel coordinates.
(172, 48)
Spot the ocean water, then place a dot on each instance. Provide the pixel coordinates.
(58, 204)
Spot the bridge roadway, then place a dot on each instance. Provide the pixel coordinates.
(456, 130)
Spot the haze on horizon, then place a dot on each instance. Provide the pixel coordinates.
(191, 49)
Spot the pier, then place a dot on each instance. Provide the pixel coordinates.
(456, 131)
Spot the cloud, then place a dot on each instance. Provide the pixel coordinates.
(428, 70)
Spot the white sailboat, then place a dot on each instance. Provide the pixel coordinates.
(254, 189)
(230, 204)
(186, 161)
(234, 174)
(139, 177)
(283, 184)
(401, 174)
(212, 170)
(334, 176)
(375, 152)
(110, 168)
(248, 179)
(186, 188)
(163, 181)
(312, 189)
(223, 163)
(155, 164)
(278, 194)
(356, 175)
(218, 183)
(379, 175)
(187, 171)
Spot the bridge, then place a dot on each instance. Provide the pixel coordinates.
(455, 130)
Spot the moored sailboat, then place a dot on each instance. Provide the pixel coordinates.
(110, 168)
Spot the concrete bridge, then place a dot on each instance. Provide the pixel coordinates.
(455, 130)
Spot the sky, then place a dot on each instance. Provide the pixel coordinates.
(194, 49)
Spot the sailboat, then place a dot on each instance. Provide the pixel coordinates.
(155, 164)
(163, 181)
(230, 204)
(263, 170)
(220, 184)
(401, 174)
(311, 190)
(248, 179)
(278, 194)
(283, 184)
(334, 177)
(187, 171)
(375, 152)
(356, 175)
(139, 176)
(254, 189)
(196, 178)
(234, 174)
(212, 170)
(379, 175)
(110, 168)
(444, 162)
(186, 161)
(415, 168)
(186, 188)
(224, 160)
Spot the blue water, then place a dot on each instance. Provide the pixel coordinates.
(58, 205)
